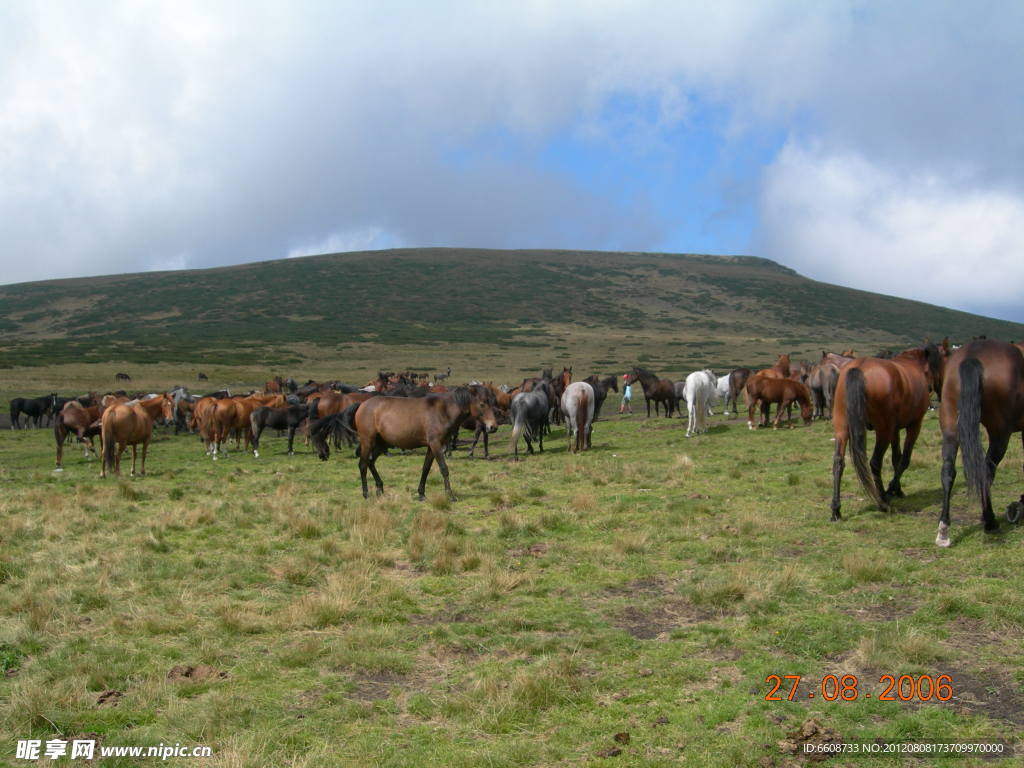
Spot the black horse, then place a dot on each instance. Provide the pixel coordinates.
(289, 417)
(33, 408)
(601, 387)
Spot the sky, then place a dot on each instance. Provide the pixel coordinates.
(877, 145)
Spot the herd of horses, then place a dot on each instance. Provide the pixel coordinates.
(979, 384)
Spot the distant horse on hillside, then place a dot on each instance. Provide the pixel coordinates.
(655, 391)
(983, 386)
(601, 387)
(33, 408)
(577, 406)
(130, 424)
(886, 396)
(122, 377)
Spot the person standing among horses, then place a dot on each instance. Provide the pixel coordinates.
(627, 395)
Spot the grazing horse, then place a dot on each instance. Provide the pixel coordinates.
(122, 377)
(984, 386)
(406, 423)
(886, 396)
(285, 417)
(698, 390)
(34, 409)
(763, 390)
(577, 405)
(130, 424)
(601, 387)
(202, 377)
(655, 390)
(80, 419)
(529, 415)
(737, 383)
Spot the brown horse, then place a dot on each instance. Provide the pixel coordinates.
(886, 396)
(131, 424)
(737, 383)
(232, 414)
(762, 390)
(655, 391)
(406, 423)
(78, 419)
(984, 386)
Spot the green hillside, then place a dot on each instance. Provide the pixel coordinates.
(263, 313)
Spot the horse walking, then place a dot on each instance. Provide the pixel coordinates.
(886, 396)
(577, 406)
(984, 386)
(130, 424)
(405, 422)
(655, 391)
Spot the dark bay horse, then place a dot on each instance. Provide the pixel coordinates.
(984, 386)
(34, 409)
(130, 424)
(886, 396)
(406, 423)
(601, 387)
(784, 392)
(284, 417)
(655, 391)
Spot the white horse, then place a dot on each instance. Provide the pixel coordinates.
(699, 390)
(578, 409)
(721, 393)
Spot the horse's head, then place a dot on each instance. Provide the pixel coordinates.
(806, 411)
(166, 407)
(483, 413)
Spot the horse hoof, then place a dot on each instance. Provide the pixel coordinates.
(942, 542)
(421, 497)
(59, 469)
(256, 454)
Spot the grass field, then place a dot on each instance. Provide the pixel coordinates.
(619, 607)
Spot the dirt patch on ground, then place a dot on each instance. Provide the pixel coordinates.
(376, 686)
(656, 619)
(883, 610)
(109, 698)
(996, 696)
(196, 674)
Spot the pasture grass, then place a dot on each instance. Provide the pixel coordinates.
(648, 586)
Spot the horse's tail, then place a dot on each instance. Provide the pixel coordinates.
(107, 440)
(519, 425)
(856, 425)
(582, 406)
(976, 464)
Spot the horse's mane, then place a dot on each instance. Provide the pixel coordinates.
(463, 396)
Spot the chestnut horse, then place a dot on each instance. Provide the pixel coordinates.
(406, 423)
(655, 390)
(130, 424)
(737, 383)
(984, 386)
(886, 396)
(784, 392)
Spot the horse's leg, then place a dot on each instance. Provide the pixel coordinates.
(901, 459)
(883, 438)
(443, 466)
(997, 445)
(838, 463)
(950, 444)
(256, 441)
(135, 454)
(117, 457)
(291, 438)
(427, 462)
(59, 436)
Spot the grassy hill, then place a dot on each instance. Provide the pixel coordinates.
(613, 308)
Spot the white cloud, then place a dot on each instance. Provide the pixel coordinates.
(839, 218)
(364, 239)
